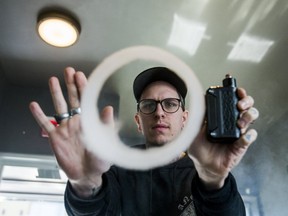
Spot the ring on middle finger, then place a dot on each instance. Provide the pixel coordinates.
(75, 111)
(61, 117)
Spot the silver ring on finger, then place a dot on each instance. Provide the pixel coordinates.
(75, 111)
(61, 117)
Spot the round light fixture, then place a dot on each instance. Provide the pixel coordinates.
(58, 29)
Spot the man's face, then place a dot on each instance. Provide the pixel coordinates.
(160, 127)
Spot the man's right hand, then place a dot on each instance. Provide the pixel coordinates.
(83, 169)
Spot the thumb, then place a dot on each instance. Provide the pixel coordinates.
(107, 115)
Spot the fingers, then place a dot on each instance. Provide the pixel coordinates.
(58, 99)
(248, 114)
(75, 83)
(73, 94)
(41, 118)
(239, 148)
(247, 118)
(246, 139)
(81, 82)
(107, 115)
(245, 101)
(241, 92)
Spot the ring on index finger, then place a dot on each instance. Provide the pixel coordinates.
(75, 111)
(61, 117)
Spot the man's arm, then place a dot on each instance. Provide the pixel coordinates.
(83, 169)
(214, 185)
(106, 201)
(220, 202)
(214, 161)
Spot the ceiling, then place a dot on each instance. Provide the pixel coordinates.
(247, 39)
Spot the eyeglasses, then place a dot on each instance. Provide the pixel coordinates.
(169, 105)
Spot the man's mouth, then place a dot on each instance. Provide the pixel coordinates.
(160, 126)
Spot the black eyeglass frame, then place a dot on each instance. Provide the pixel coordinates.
(180, 104)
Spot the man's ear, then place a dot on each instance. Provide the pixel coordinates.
(184, 118)
(137, 120)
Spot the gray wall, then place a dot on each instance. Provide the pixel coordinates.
(2, 85)
(19, 132)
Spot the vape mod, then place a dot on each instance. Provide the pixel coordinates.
(222, 112)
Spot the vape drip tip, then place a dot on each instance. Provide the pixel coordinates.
(228, 76)
(229, 81)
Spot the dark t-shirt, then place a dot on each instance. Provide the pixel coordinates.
(171, 190)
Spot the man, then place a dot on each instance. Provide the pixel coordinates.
(199, 183)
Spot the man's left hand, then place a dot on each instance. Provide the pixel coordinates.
(214, 161)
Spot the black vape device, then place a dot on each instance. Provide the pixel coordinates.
(222, 112)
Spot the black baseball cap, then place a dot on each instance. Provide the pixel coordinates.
(158, 74)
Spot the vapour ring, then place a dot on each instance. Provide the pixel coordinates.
(103, 140)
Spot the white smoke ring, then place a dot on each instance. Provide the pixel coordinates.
(104, 142)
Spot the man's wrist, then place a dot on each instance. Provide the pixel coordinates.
(210, 180)
(86, 189)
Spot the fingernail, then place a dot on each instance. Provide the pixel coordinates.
(248, 137)
(254, 112)
(243, 104)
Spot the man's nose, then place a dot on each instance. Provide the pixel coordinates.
(159, 110)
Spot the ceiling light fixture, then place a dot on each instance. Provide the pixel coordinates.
(58, 29)
(186, 34)
(250, 48)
